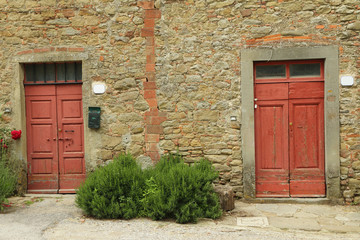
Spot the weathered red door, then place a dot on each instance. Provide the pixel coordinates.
(289, 130)
(55, 142)
(306, 121)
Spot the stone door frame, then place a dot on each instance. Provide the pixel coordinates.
(331, 110)
(18, 97)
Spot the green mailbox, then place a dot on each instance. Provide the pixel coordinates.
(94, 117)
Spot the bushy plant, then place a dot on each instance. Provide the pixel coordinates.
(113, 191)
(7, 184)
(7, 177)
(172, 189)
(177, 190)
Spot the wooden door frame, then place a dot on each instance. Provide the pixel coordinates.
(331, 110)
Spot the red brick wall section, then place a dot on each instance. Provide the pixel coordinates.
(153, 118)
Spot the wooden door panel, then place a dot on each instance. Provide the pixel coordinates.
(41, 140)
(273, 91)
(271, 143)
(41, 109)
(306, 90)
(73, 165)
(71, 145)
(304, 137)
(307, 177)
(73, 140)
(41, 165)
(71, 108)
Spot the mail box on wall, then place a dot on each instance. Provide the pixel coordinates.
(94, 117)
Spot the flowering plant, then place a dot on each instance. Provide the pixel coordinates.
(3, 144)
(16, 134)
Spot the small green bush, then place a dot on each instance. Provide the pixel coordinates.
(172, 189)
(7, 177)
(180, 191)
(113, 191)
(7, 183)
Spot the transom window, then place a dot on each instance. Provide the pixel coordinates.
(53, 73)
(311, 70)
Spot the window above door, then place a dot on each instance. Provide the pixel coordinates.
(52, 73)
(290, 71)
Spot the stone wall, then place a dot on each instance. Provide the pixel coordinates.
(198, 72)
(109, 33)
(172, 70)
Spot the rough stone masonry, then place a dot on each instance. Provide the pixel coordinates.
(172, 71)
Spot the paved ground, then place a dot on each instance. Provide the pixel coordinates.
(56, 217)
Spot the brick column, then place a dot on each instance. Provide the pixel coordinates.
(153, 118)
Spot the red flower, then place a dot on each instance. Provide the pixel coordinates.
(5, 146)
(16, 134)
(1, 141)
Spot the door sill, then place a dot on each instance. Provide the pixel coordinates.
(62, 191)
(42, 191)
(322, 200)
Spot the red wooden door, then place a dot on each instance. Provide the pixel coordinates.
(306, 121)
(55, 138)
(271, 117)
(42, 151)
(289, 136)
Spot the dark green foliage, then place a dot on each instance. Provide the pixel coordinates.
(113, 191)
(7, 176)
(7, 183)
(170, 190)
(181, 191)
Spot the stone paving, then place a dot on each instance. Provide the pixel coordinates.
(304, 217)
(57, 217)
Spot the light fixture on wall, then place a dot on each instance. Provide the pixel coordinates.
(99, 88)
(347, 81)
(7, 110)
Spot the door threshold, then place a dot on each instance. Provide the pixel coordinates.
(323, 200)
(47, 195)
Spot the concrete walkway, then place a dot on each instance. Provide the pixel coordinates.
(57, 217)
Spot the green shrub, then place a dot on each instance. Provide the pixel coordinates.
(7, 176)
(7, 183)
(113, 191)
(180, 191)
(171, 189)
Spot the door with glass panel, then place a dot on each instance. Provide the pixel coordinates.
(289, 128)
